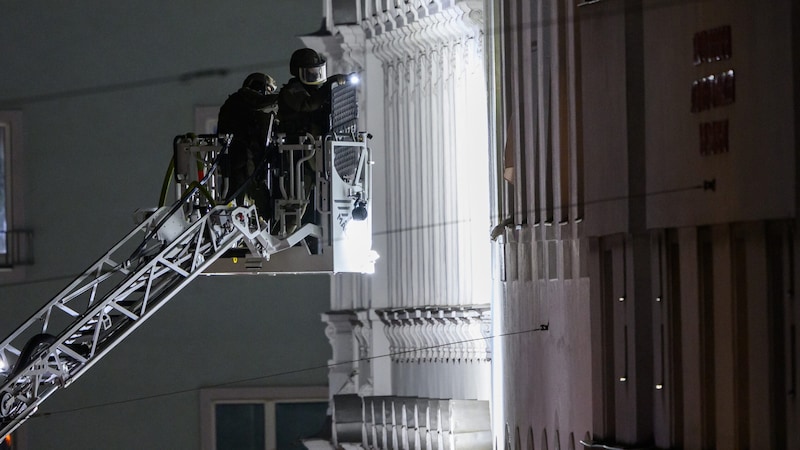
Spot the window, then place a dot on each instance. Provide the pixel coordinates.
(262, 418)
(15, 243)
(4, 181)
(239, 426)
(205, 119)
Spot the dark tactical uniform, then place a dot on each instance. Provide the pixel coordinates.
(244, 115)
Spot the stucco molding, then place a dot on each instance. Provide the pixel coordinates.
(438, 335)
(399, 34)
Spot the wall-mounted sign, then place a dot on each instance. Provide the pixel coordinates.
(715, 90)
(714, 137)
(712, 45)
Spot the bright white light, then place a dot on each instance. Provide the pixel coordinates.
(357, 229)
(3, 365)
(369, 266)
(358, 235)
(353, 78)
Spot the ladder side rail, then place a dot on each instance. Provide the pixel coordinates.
(42, 386)
(140, 277)
(89, 279)
(93, 315)
(14, 423)
(40, 320)
(101, 274)
(168, 261)
(157, 302)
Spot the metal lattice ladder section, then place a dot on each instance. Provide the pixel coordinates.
(109, 300)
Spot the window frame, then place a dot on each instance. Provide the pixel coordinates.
(205, 119)
(5, 195)
(268, 396)
(13, 150)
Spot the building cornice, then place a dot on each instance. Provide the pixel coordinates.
(414, 28)
(438, 335)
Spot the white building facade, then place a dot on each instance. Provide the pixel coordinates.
(643, 181)
(419, 327)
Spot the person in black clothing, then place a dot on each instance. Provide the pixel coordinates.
(304, 108)
(304, 102)
(246, 115)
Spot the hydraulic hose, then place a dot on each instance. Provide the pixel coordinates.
(162, 199)
(178, 204)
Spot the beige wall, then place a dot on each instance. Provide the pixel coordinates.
(684, 313)
(755, 178)
(603, 110)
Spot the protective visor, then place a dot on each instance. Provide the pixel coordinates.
(313, 75)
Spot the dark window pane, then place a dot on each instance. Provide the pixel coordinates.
(3, 175)
(240, 426)
(295, 421)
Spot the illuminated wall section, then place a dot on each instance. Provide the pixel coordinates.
(432, 284)
(437, 157)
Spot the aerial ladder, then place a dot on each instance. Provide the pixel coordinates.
(321, 223)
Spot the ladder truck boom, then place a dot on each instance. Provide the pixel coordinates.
(199, 234)
(104, 304)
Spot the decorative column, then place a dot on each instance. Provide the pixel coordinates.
(436, 151)
(341, 370)
(439, 352)
(432, 285)
(349, 334)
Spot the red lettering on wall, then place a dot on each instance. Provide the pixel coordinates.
(714, 91)
(714, 137)
(712, 45)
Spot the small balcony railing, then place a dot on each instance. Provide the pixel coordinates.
(16, 248)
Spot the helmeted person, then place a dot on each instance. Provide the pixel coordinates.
(304, 108)
(246, 115)
(304, 101)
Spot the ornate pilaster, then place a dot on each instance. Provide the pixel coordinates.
(349, 334)
(447, 334)
(341, 368)
(426, 344)
(362, 331)
(434, 159)
(437, 151)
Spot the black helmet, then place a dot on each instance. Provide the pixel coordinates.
(259, 82)
(308, 66)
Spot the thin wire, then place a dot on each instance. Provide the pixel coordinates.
(543, 327)
(224, 71)
(185, 77)
(408, 229)
(540, 210)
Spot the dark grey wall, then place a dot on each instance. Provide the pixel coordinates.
(99, 85)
